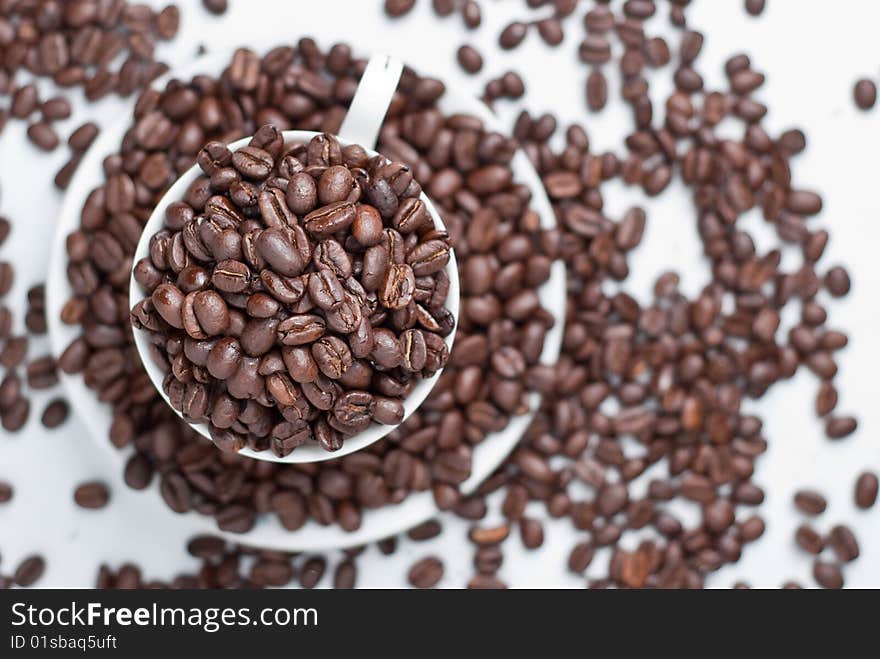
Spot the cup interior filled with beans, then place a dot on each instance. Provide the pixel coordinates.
(294, 296)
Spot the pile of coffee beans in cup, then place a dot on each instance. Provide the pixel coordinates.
(297, 293)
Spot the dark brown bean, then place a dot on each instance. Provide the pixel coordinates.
(426, 573)
(866, 490)
(92, 495)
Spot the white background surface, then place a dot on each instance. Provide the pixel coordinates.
(792, 43)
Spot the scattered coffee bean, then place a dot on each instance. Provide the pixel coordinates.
(29, 571)
(810, 502)
(470, 59)
(755, 7)
(843, 541)
(55, 413)
(839, 427)
(866, 490)
(43, 136)
(513, 35)
(827, 575)
(398, 8)
(91, 495)
(865, 94)
(216, 7)
(809, 539)
(426, 573)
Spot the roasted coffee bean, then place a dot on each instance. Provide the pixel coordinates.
(469, 59)
(230, 276)
(217, 7)
(281, 253)
(837, 281)
(866, 490)
(7, 277)
(865, 94)
(332, 356)
(426, 573)
(398, 8)
(597, 91)
(16, 415)
(300, 330)
(839, 427)
(843, 542)
(512, 35)
(92, 495)
(312, 571)
(55, 413)
(29, 571)
(827, 575)
(398, 286)
(353, 409)
(330, 219)
(809, 540)
(325, 289)
(252, 162)
(43, 136)
(755, 7)
(810, 502)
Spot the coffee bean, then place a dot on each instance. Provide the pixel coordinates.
(168, 22)
(843, 541)
(581, 557)
(866, 490)
(312, 571)
(398, 8)
(216, 7)
(229, 276)
(837, 281)
(839, 427)
(551, 31)
(755, 7)
(827, 575)
(16, 415)
(330, 219)
(55, 413)
(7, 277)
(810, 502)
(809, 540)
(426, 573)
(29, 571)
(865, 94)
(512, 35)
(531, 533)
(6, 492)
(42, 373)
(398, 286)
(43, 136)
(469, 59)
(300, 330)
(471, 14)
(597, 91)
(92, 495)
(345, 575)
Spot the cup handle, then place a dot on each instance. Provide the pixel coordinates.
(366, 113)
